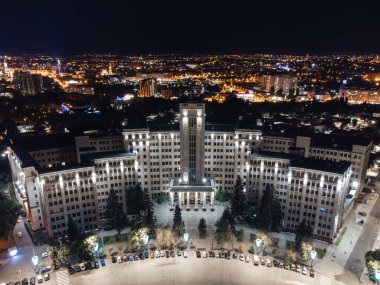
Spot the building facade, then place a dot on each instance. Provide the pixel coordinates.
(189, 162)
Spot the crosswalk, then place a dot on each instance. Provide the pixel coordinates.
(62, 277)
(324, 280)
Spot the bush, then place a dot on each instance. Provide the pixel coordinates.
(161, 198)
(221, 196)
(239, 235)
(252, 249)
(107, 226)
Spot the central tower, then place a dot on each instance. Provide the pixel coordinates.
(192, 135)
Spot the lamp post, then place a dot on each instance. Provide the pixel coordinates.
(34, 259)
(145, 239)
(96, 248)
(313, 256)
(377, 276)
(258, 243)
(186, 238)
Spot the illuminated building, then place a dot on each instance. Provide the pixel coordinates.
(357, 96)
(28, 84)
(167, 93)
(282, 85)
(148, 87)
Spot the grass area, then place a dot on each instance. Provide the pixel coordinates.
(115, 238)
(320, 252)
(239, 235)
(290, 244)
(339, 239)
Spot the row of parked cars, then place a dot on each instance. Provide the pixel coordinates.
(32, 281)
(257, 261)
(147, 255)
(86, 266)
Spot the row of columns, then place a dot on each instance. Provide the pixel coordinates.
(182, 195)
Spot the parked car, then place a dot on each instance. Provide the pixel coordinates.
(114, 259)
(70, 269)
(275, 263)
(269, 263)
(89, 265)
(198, 254)
(125, 258)
(293, 267)
(103, 262)
(247, 258)
(142, 256)
(96, 264)
(19, 234)
(119, 259)
(312, 272)
(287, 266)
(152, 254)
(157, 254)
(204, 254)
(25, 281)
(32, 281)
(228, 255)
(304, 270)
(172, 253)
(364, 214)
(167, 253)
(130, 257)
(262, 261)
(39, 278)
(47, 276)
(241, 257)
(185, 254)
(136, 257)
(211, 253)
(281, 264)
(217, 255)
(146, 255)
(77, 268)
(256, 260)
(298, 268)
(44, 255)
(162, 253)
(82, 267)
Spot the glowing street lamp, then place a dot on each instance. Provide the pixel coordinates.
(145, 239)
(313, 255)
(96, 247)
(12, 251)
(258, 242)
(377, 275)
(35, 260)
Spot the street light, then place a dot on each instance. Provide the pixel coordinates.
(35, 260)
(186, 238)
(313, 255)
(377, 275)
(258, 242)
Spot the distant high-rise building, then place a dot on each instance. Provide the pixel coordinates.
(167, 93)
(282, 85)
(29, 84)
(5, 67)
(148, 87)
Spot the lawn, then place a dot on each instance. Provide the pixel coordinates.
(252, 237)
(115, 238)
(339, 239)
(320, 252)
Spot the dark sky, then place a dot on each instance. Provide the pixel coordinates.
(185, 26)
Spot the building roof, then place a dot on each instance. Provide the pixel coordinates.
(321, 165)
(338, 141)
(41, 142)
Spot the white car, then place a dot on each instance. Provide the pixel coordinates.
(39, 278)
(304, 270)
(247, 258)
(44, 255)
(185, 254)
(82, 266)
(19, 235)
(241, 257)
(119, 259)
(216, 254)
(204, 254)
(162, 253)
(157, 254)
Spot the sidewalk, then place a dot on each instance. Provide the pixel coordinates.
(364, 276)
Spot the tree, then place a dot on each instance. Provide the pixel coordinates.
(161, 198)
(114, 213)
(73, 233)
(59, 252)
(251, 215)
(304, 233)
(372, 261)
(238, 199)
(135, 199)
(177, 221)
(264, 237)
(165, 238)
(149, 219)
(10, 211)
(269, 214)
(136, 239)
(223, 232)
(221, 196)
(202, 228)
(227, 215)
(306, 247)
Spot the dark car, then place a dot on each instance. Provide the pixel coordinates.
(211, 254)
(198, 254)
(25, 281)
(96, 265)
(287, 266)
(364, 214)
(103, 262)
(130, 257)
(77, 268)
(90, 265)
(312, 272)
(167, 253)
(228, 255)
(275, 263)
(71, 271)
(146, 254)
(234, 256)
(32, 280)
(114, 260)
(142, 256)
(172, 254)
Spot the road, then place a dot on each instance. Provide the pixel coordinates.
(355, 263)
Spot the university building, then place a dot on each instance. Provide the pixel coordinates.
(189, 162)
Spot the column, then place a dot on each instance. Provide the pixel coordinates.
(171, 200)
(196, 200)
(188, 199)
(179, 199)
(212, 199)
(204, 200)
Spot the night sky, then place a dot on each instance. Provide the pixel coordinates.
(265, 26)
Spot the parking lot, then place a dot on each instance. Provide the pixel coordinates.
(190, 270)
